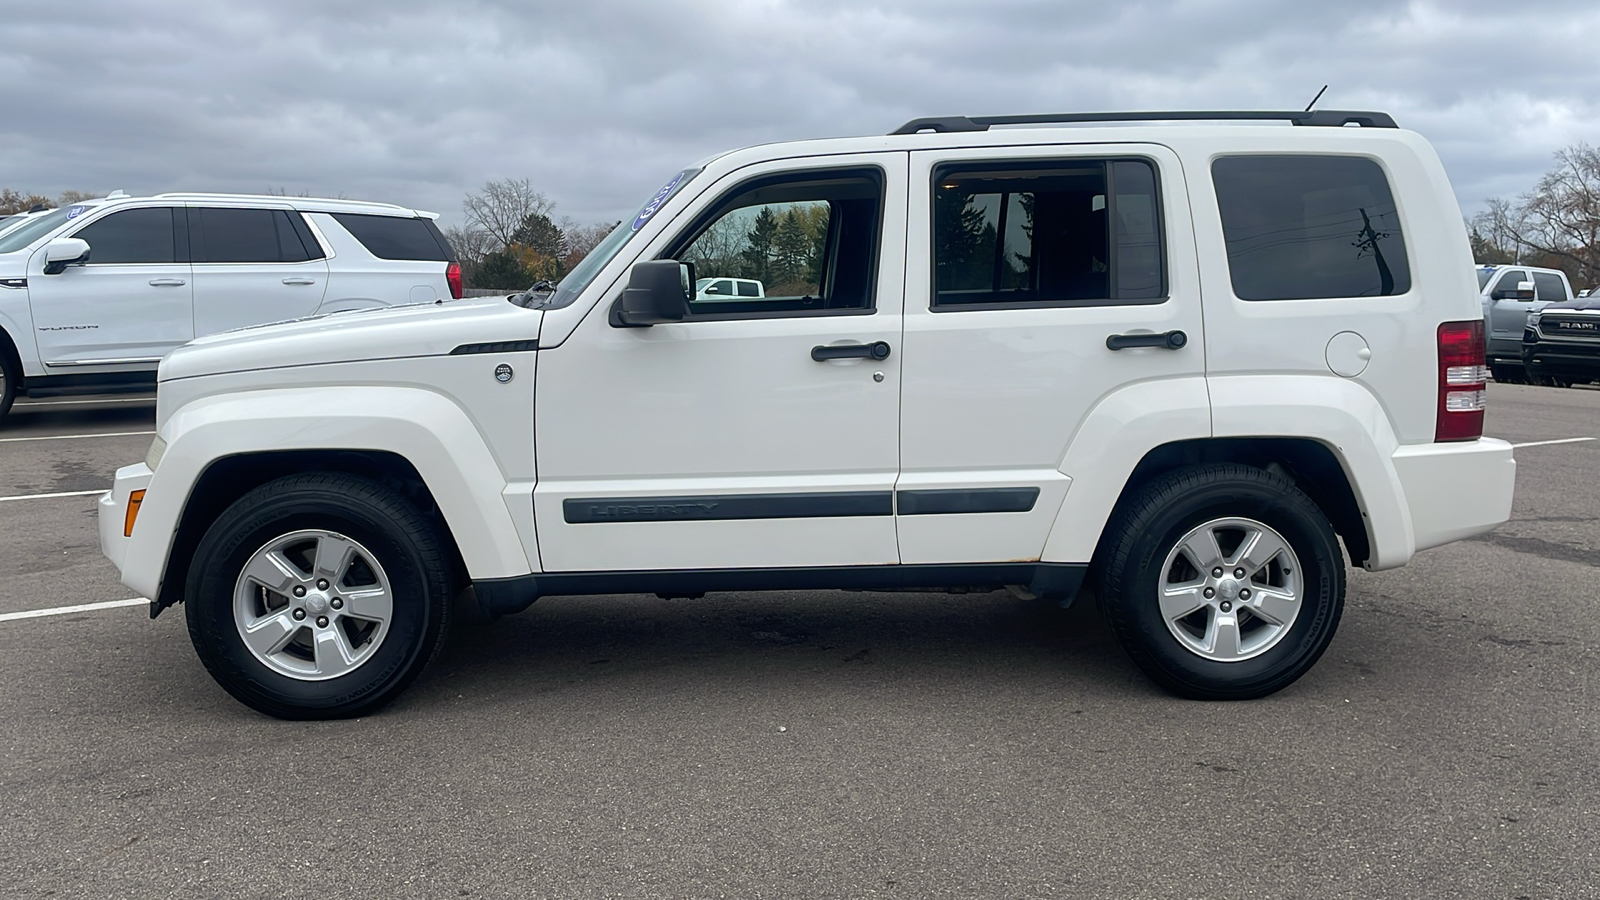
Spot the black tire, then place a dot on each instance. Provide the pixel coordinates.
(10, 381)
(1150, 525)
(1506, 373)
(406, 549)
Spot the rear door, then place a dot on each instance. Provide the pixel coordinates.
(1021, 263)
(253, 265)
(130, 305)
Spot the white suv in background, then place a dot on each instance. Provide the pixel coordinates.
(94, 294)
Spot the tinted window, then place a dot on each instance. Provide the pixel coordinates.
(810, 241)
(131, 236)
(1549, 286)
(392, 237)
(1303, 227)
(1509, 280)
(245, 236)
(1075, 233)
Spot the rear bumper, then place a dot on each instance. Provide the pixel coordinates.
(1456, 490)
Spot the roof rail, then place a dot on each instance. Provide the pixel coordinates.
(205, 195)
(1323, 118)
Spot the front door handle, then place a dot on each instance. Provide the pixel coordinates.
(166, 282)
(1172, 340)
(874, 350)
(300, 280)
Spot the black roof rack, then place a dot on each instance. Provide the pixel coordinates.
(1322, 118)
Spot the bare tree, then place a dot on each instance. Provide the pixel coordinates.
(12, 201)
(1558, 222)
(502, 206)
(581, 239)
(68, 198)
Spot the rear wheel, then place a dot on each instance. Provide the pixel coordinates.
(1223, 582)
(1507, 373)
(318, 596)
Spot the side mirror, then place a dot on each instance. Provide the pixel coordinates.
(658, 291)
(63, 252)
(1524, 291)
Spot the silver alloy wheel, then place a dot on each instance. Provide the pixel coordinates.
(312, 605)
(1230, 589)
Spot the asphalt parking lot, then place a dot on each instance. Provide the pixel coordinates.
(817, 744)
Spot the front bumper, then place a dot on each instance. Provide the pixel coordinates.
(1456, 489)
(113, 508)
(1562, 359)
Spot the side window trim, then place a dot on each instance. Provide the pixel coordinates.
(713, 211)
(939, 170)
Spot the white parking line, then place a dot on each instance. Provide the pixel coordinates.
(73, 437)
(33, 404)
(1556, 441)
(65, 610)
(53, 496)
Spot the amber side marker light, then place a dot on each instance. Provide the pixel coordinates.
(134, 499)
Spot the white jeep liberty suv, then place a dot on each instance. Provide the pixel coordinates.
(1183, 360)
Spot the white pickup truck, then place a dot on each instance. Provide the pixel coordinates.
(1177, 361)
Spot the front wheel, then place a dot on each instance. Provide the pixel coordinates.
(1222, 582)
(318, 596)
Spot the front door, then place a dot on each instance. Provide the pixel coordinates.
(759, 431)
(1022, 263)
(130, 305)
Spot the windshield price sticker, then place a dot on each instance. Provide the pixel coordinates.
(73, 212)
(656, 201)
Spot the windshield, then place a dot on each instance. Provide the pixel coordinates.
(1483, 277)
(37, 227)
(585, 271)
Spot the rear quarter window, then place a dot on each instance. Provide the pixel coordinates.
(1309, 227)
(394, 237)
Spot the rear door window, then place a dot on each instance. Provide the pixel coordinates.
(1549, 286)
(131, 236)
(1309, 227)
(244, 236)
(1079, 233)
(396, 237)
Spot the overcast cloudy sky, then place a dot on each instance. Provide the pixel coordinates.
(598, 101)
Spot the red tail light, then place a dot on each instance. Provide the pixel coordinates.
(1463, 381)
(452, 274)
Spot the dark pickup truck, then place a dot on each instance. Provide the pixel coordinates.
(1561, 344)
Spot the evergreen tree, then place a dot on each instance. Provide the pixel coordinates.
(757, 256)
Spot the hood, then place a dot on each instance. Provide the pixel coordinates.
(1580, 304)
(395, 332)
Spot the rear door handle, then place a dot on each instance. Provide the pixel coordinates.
(166, 282)
(301, 279)
(874, 350)
(1172, 340)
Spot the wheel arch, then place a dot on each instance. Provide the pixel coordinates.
(221, 446)
(228, 478)
(1311, 465)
